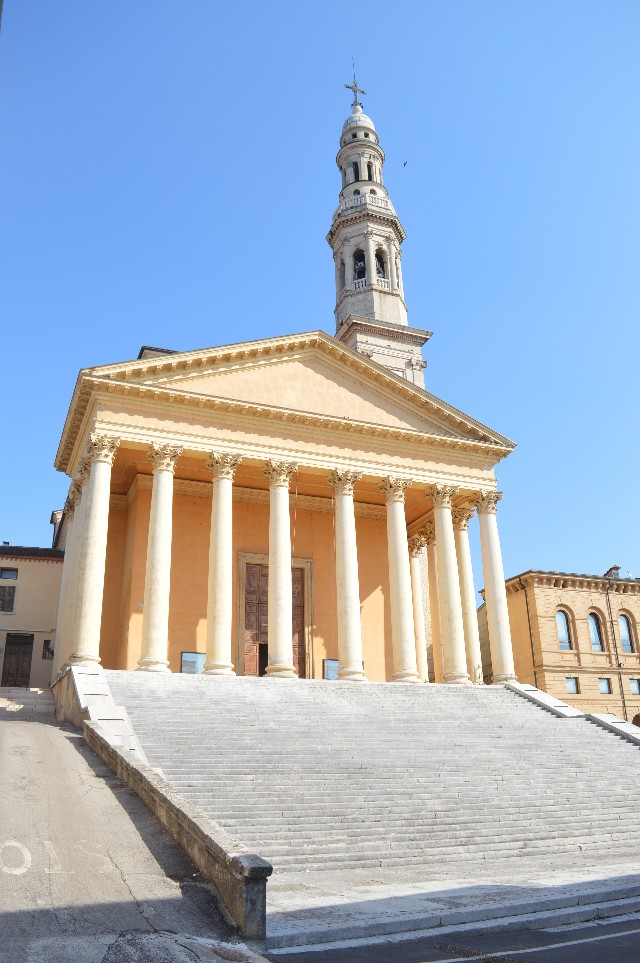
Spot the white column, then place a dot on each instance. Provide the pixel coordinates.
(416, 549)
(405, 668)
(347, 582)
(92, 551)
(461, 519)
(370, 257)
(434, 601)
(66, 603)
(280, 622)
(155, 617)
(399, 272)
(219, 597)
(391, 260)
(494, 589)
(451, 624)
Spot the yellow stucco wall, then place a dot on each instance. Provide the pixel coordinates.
(312, 539)
(35, 612)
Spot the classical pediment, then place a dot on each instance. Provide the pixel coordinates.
(311, 376)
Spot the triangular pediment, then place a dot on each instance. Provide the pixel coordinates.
(310, 376)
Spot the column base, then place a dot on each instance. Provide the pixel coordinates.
(501, 679)
(403, 675)
(456, 678)
(218, 669)
(153, 665)
(80, 658)
(351, 675)
(281, 672)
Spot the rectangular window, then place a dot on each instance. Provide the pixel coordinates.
(605, 686)
(573, 686)
(7, 598)
(9, 573)
(47, 649)
(192, 662)
(635, 686)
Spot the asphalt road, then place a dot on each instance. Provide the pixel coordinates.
(613, 942)
(86, 873)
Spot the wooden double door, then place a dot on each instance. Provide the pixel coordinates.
(16, 668)
(256, 620)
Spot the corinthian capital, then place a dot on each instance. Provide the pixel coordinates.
(279, 473)
(164, 457)
(429, 533)
(342, 482)
(441, 495)
(487, 502)
(73, 497)
(393, 488)
(223, 465)
(416, 545)
(82, 473)
(102, 448)
(461, 518)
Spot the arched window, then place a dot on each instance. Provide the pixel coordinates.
(359, 268)
(380, 266)
(370, 171)
(356, 171)
(343, 281)
(626, 639)
(595, 633)
(373, 192)
(564, 635)
(356, 193)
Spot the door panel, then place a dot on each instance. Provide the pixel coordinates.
(256, 620)
(18, 653)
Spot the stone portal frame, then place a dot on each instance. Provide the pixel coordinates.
(306, 564)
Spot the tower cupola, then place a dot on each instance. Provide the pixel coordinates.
(365, 236)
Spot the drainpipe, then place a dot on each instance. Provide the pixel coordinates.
(615, 646)
(533, 655)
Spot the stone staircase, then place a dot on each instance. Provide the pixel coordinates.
(325, 776)
(30, 705)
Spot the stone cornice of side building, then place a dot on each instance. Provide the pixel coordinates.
(572, 580)
(122, 379)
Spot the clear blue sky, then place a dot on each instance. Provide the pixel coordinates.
(168, 178)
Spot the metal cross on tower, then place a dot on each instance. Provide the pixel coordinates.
(356, 90)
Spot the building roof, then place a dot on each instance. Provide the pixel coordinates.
(27, 551)
(552, 574)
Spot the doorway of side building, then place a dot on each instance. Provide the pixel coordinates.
(253, 597)
(16, 669)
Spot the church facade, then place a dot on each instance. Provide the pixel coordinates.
(262, 508)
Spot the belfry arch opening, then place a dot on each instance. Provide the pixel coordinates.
(369, 171)
(359, 266)
(356, 171)
(381, 264)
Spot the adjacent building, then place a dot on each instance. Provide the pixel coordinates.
(575, 637)
(29, 591)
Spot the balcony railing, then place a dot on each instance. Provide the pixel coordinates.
(360, 283)
(364, 201)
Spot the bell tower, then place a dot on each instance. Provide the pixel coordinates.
(365, 236)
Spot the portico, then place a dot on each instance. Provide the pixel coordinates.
(165, 501)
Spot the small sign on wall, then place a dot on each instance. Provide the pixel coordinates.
(192, 662)
(330, 669)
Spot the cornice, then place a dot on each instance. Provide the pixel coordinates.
(562, 580)
(253, 496)
(368, 215)
(124, 379)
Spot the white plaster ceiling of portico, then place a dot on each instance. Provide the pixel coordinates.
(312, 374)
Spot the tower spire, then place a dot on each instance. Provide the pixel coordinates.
(356, 90)
(365, 236)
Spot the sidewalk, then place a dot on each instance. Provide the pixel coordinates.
(86, 873)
